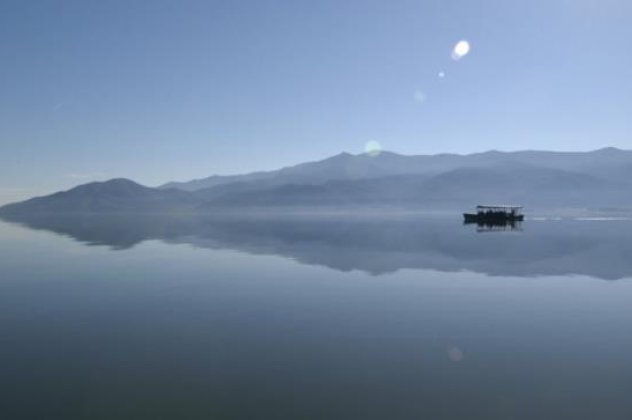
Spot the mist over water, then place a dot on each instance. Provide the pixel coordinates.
(373, 243)
(123, 316)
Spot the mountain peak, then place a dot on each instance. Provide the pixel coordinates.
(343, 155)
(119, 181)
(112, 185)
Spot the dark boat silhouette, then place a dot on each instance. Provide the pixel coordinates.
(495, 215)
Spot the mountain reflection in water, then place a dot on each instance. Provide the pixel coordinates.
(375, 245)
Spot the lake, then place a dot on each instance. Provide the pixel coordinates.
(297, 317)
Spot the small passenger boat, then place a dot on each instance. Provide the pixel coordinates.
(495, 215)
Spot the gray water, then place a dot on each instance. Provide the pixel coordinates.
(153, 317)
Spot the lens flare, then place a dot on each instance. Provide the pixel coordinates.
(420, 97)
(455, 354)
(460, 50)
(372, 148)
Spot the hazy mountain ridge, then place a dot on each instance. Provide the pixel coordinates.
(347, 166)
(535, 179)
(453, 189)
(118, 195)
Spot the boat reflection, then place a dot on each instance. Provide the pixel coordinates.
(496, 226)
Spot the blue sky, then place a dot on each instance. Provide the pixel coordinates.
(172, 90)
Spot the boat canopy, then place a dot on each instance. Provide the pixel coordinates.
(498, 208)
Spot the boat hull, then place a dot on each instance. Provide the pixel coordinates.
(492, 218)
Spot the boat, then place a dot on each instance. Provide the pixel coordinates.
(498, 214)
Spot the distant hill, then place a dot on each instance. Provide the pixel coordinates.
(539, 180)
(116, 195)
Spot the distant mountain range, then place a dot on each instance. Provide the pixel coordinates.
(600, 179)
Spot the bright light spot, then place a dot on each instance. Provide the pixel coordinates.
(441, 75)
(372, 148)
(420, 97)
(460, 50)
(455, 354)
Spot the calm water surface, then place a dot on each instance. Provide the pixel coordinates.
(291, 318)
